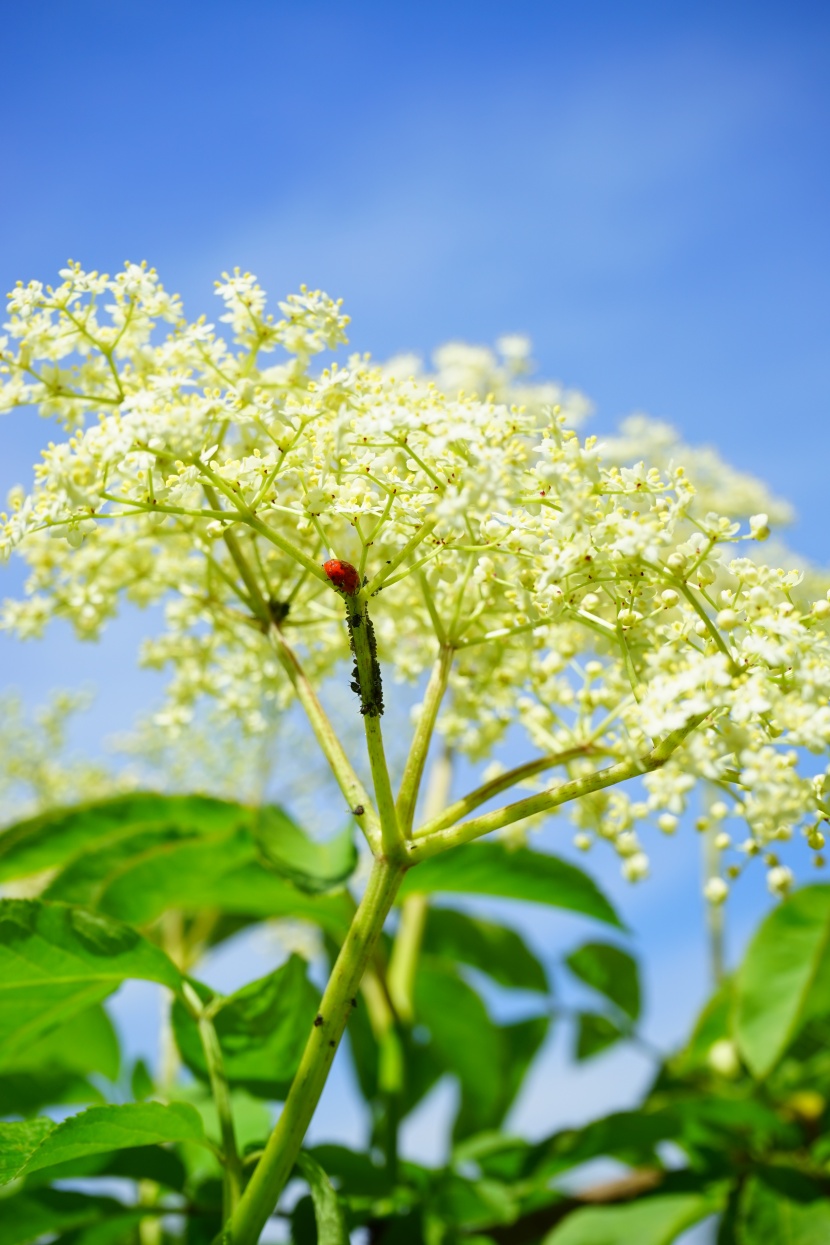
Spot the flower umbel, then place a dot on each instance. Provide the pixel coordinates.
(585, 592)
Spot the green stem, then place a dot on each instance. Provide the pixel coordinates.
(274, 1168)
(406, 948)
(454, 836)
(371, 709)
(451, 814)
(232, 1182)
(421, 534)
(341, 767)
(416, 760)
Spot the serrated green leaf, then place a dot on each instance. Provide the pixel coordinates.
(651, 1221)
(101, 1130)
(162, 1166)
(595, 1033)
(18, 1140)
(783, 978)
(312, 866)
(491, 948)
(331, 1225)
(610, 971)
(54, 837)
(495, 869)
(56, 961)
(782, 1208)
(262, 1030)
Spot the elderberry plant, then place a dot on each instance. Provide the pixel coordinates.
(590, 594)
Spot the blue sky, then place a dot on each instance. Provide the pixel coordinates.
(641, 188)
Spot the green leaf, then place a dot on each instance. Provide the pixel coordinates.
(629, 1136)
(783, 978)
(56, 961)
(595, 1034)
(331, 1226)
(782, 1208)
(140, 878)
(26, 1093)
(354, 1171)
(493, 949)
(463, 1036)
(157, 1163)
(54, 837)
(519, 1044)
(712, 1026)
(17, 1141)
(312, 866)
(52, 1069)
(495, 869)
(141, 1082)
(652, 1221)
(610, 971)
(29, 1216)
(120, 1230)
(262, 1030)
(86, 1043)
(101, 1130)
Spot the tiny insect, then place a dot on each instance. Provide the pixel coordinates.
(343, 576)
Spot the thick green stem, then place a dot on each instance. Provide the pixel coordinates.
(232, 1183)
(371, 696)
(274, 1168)
(415, 761)
(347, 780)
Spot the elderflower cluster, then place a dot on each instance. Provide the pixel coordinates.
(606, 599)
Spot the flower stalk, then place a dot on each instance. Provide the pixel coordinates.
(275, 1166)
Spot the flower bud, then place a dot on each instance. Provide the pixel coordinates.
(779, 880)
(727, 620)
(716, 891)
(759, 526)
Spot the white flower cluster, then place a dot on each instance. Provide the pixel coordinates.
(597, 598)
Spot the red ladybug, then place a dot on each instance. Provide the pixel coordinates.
(343, 575)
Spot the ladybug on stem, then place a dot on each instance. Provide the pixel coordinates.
(343, 576)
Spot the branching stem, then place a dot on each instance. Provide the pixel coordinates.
(435, 842)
